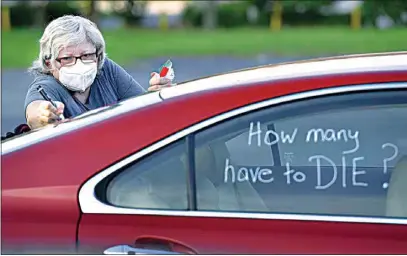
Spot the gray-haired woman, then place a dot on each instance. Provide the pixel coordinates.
(76, 74)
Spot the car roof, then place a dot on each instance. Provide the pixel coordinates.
(314, 67)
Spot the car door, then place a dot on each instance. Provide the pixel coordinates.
(306, 173)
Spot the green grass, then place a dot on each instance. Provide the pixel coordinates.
(20, 47)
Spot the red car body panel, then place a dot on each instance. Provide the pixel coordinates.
(40, 203)
(244, 236)
(40, 216)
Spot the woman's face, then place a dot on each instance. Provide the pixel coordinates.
(66, 56)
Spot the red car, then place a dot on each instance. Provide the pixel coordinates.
(298, 158)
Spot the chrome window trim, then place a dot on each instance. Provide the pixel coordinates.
(91, 205)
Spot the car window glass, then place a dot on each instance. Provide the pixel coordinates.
(157, 181)
(335, 156)
(363, 133)
(258, 155)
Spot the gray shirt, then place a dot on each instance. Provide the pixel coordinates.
(111, 85)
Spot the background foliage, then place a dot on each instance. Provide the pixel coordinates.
(234, 14)
(297, 12)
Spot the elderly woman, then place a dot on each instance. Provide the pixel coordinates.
(74, 71)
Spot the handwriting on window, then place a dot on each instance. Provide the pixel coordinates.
(258, 137)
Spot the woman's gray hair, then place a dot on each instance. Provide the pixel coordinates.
(66, 31)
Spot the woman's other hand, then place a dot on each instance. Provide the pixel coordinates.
(157, 82)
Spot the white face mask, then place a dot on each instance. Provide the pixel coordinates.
(79, 76)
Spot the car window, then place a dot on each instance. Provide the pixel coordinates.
(330, 155)
(157, 181)
(257, 155)
(368, 132)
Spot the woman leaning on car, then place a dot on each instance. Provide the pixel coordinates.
(74, 71)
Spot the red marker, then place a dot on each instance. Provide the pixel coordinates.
(165, 68)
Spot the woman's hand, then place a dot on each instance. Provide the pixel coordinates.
(41, 113)
(157, 82)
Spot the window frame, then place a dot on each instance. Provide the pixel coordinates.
(91, 205)
(101, 187)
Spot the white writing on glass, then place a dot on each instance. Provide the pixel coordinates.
(256, 132)
(386, 160)
(325, 166)
(330, 135)
(243, 174)
(356, 172)
(318, 159)
(257, 136)
(297, 175)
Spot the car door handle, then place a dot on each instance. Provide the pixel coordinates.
(128, 250)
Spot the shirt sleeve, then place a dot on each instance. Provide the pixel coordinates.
(127, 87)
(33, 94)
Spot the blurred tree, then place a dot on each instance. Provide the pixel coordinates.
(40, 7)
(93, 14)
(22, 14)
(210, 14)
(372, 9)
(260, 4)
(264, 7)
(89, 9)
(310, 12)
(56, 9)
(192, 16)
(233, 14)
(133, 12)
(307, 4)
(299, 12)
(227, 15)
